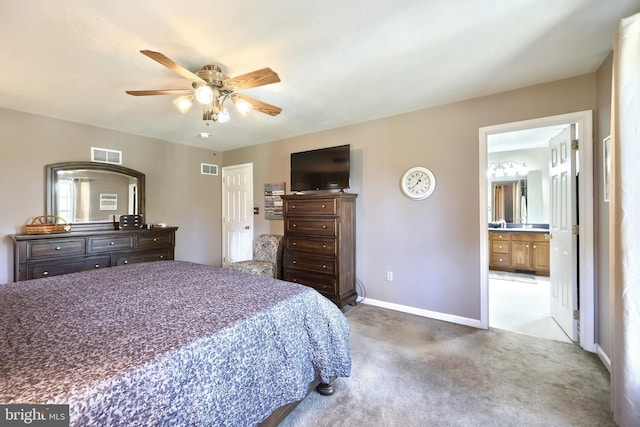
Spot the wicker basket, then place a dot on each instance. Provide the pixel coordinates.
(44, 225)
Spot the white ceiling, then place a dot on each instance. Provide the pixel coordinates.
(522, 139)
(340, 61)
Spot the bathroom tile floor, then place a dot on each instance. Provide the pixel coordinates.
(520, 303)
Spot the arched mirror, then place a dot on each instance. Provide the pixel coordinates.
(90, 195)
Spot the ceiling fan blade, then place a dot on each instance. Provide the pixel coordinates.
(258, 105)
(160, 58)
(160, 92)
(261, 77)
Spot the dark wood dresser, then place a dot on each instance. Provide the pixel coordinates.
(319, 230)
(44, 255)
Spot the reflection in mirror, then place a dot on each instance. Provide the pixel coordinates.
(510, 201)
(89, 193)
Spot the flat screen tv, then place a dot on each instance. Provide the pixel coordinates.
(322, 169)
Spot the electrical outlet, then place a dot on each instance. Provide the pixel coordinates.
(389, 276)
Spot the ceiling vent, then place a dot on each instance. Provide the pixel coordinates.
(207, 169)
(104, 155)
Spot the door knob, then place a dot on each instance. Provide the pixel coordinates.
(246, 227)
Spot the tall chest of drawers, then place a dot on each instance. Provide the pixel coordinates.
(319, 230)
(37, 256)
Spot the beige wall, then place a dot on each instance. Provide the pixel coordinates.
(431, 246)
(177, 193)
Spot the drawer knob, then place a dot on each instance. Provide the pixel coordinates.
(324, 265)
(324, 227)
(46, 273)
(293, 206)
(324, 246)
(324, 206)
(58, 248)
(112, 243)
(294, 225)
(97, 265)
(500, 236)
(294, 262)
(527, 246)
(155, 240)
(500, 259)
(161, 256)
(295, 244)
(126, 261)
(324, 286)
(500, 246)
(534, 246)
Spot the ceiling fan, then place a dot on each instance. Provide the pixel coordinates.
(211, 88)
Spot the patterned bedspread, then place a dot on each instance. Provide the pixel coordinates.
(167, 343)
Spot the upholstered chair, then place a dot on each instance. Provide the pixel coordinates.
(267, 255)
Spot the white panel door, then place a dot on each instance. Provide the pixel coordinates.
(237, 213)
(563, 252)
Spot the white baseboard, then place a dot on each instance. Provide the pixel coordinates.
(425, 313)
(603, 357)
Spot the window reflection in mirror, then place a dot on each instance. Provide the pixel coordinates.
(92, 193)
(94, 196)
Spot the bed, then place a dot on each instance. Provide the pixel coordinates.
(168, 343)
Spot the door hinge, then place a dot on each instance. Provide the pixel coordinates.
(575, 144)
(576, 314)
(576, 229)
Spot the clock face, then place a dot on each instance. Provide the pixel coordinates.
(418, 183)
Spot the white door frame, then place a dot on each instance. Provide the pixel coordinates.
(586, 250)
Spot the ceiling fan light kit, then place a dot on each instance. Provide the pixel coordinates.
(211, 88)
(183, 103)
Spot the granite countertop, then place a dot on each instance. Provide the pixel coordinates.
(521, 230)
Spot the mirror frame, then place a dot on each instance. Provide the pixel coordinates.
(52, 171)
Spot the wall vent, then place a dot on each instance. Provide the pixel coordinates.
(207, 169)
(105, 155)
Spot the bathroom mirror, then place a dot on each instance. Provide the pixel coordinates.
(509, 201)
(90, 195)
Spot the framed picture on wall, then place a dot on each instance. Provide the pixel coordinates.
(606, 167)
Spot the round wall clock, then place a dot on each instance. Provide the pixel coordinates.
(418, 183)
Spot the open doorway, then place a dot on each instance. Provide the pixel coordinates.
(584, 268)
(519, 198)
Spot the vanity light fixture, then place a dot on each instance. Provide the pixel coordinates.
(507, 168)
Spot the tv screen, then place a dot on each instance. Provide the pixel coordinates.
(322, 169)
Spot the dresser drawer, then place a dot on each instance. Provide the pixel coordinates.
(529, 237)
(153, 240)
(318, 245)
(500, 247)
(310, 262)
(133, 258)
(500, 260)
(55, 247)
(109, 244)
(46, 269)
(316, 227)
(310, 207)
(499, 235)
(323, 284)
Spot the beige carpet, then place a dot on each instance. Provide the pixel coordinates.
(412, 371)
(520, 303)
